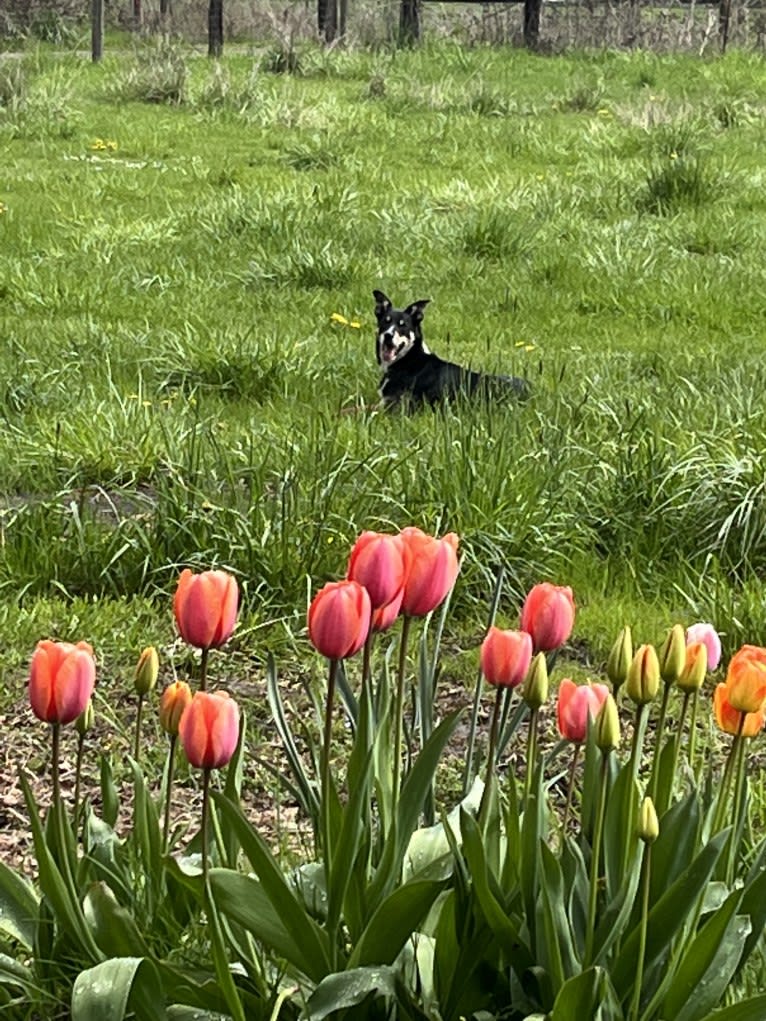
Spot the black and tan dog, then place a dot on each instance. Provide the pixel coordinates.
(413, 375)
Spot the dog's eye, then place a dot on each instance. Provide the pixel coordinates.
(401, 322)
(387, 319)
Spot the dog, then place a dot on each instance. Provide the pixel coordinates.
(414, 376)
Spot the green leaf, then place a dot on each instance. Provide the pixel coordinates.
(18, 907)
(114, 928)
(306, 786)
(306, 934)
(754, 903)
(583, 996)
(116, 988)
(233, 788)
(708, 964)
(110, 801)
(561, 954)
(748, 1010)
(146, 837)
(676, 845)
(395, 920)
(348, 989)
(620, 836)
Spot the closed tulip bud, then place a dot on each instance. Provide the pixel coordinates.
(695, 668)
(620, 658)
(209, 729)
(432, 570)
(175, 698)
(607, 726)
(505, 657)
(535, 690)
(84, 721)
(61, 680)
(379, 562)
(147, 670)
(730, 720)
(648, 825)
(205, 607)
(548, 615)
(576, 704)
(339, 619)
(708, 635)
(672, 655)
(643, 680)
(746, 679)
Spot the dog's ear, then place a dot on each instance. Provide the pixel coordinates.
(382, 304)
(416, 309)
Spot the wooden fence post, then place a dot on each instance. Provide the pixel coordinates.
(96, 30)
(532, 9)
(215, 28)
(409, 22)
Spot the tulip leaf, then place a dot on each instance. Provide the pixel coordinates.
(668, 914)
(233, 788)
(346, 847)
(754, 899)
(304, 931)
(110, 801)
(309, 801)
(13, 973)
(620, 836)
(113, 927)
(116, 988)
(533, 830)
(18, 907)
(561, 955)
(587, 995)
(147, 837)
(348, 989)
(708, 964)
(748, 1010)
(393, 922)
(676, 844)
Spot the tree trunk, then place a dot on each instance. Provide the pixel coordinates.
(138, 14)
(532, 9)
(343, 18)
(409, 22)
(215, 28)
(96, 30)
(724, 18)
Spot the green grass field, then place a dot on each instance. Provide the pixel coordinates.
(171, 380)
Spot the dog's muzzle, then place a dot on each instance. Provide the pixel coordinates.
(393, 345)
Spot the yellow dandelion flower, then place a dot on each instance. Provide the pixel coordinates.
(132, 397)
(336, 317)
(520, 343)
(529, 347)
(355, 324)
(674, 155)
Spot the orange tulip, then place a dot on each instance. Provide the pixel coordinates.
(209, 729)
(379, 562)
(576, 704)
(548, 615)
(432, 571)
(693, 674)
(505, 657)
(61, 680)
(205, 607)
(729, 719)
(175, 698)
(339, 619)
(746, 679)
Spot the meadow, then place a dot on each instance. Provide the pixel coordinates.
(187, 255)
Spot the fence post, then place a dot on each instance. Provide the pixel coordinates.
(532, 9)
(409, 22)
(96, 30)
(215, 28)
(724, 18)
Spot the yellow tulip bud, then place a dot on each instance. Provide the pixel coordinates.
(672, 654)
(147, 669)
(175, 699)
(643, 676)
(535, 689)
(648, 825)
(84, 721)
(607, 726)
(695, 668)
(618, 663)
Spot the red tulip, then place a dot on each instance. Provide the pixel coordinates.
(505, 657)
(61, 680)
(379, 562)
(209, 729)
(729, 719)
(432, 571)
(576, 703)
(548, 615)
(205, 607)
(339, 619)
(383, 618)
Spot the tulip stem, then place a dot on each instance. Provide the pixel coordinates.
(493, 728)
(55, 762)
(693, 731)
(399, 708)
(570, 788)
(203, 668)
(531, 751)
(77, 772)
(723, 792)
(646, 868)
(677, 743)
(137, 737)
(325, 762)
(169, 790)
(658, 746)
(367, 663)
(205, 823)
(739, 791)
(595, 861)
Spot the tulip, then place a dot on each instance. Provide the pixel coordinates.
(746, 679)
(385, 616)
(209, 729)
(205, 608)
(577, 703)
(648, 824)
(695, 668)
(708, 635)
(433, 568)
(339, 619)
(672, 654)
(147, 670)
(535, 690)
(619, 660)
(61, 680)
(730, 720)
(548, 615)
(379, 562)
(505, 657)
(175, 698)
(643, 681)
(607, 734)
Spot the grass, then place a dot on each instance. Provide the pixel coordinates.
(175, 236)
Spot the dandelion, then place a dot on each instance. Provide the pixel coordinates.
(3, 208)
(336, 317)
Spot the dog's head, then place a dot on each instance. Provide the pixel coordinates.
(398, 330)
